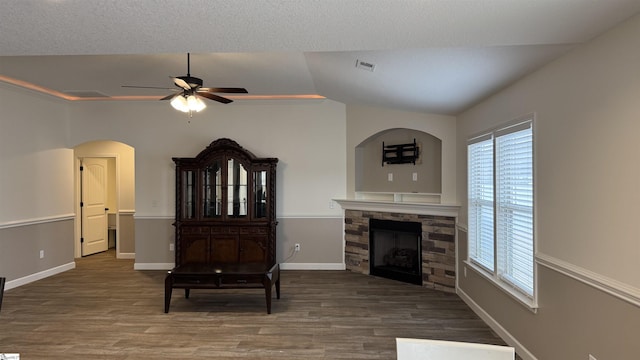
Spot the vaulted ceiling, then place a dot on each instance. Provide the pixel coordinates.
(435, 56)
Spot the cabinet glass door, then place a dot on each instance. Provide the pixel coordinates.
(260, 194)
(212, 186)
(236, 189)
(189, 188)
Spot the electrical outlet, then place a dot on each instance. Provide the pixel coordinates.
(41, 254)
(296, 247)
(390, 176)
(414, 176)
(172, 247)
(330, 204)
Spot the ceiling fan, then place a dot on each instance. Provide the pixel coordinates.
(187, 99)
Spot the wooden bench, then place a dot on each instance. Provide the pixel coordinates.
(222, 276)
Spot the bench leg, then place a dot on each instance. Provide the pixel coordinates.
(267, 292)
(2, 281)
(278, 282)
(271, 278)
(168, 288)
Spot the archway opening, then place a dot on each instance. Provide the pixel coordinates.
(119, 199)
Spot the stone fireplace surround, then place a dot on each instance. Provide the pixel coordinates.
(438, 241)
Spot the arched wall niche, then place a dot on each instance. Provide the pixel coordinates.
(372, 176)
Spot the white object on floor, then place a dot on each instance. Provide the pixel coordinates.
(423, 349)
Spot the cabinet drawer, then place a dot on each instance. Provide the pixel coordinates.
(223, 230)
(254, 230)
(195, 230)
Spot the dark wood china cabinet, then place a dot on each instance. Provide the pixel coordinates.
(225, 206)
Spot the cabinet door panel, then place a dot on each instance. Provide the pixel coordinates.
(224, 249)
(237, 186)
(212, 190)
(194, 248)
(189, 194)
(260, 193)
(253, 248)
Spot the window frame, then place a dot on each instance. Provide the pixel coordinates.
(495, 275)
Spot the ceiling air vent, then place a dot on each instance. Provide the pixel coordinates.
(365, 65)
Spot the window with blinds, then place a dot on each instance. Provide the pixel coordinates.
(500, 203)
(480, 170)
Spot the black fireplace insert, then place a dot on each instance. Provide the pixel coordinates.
(395, 250)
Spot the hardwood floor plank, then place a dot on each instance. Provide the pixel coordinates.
(104, 309)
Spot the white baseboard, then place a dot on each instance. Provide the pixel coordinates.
(126, 255)
(495, 326)
(39, 275)
(312, 266)
(153, 266)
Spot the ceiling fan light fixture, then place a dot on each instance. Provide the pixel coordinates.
(180, 103)
(194, 103)
(187, 100)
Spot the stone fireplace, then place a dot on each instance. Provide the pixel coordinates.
(437, 247)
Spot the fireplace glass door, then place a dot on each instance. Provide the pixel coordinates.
(395, 250)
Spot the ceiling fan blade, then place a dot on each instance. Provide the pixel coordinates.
(147, 87)
(214, 97)
(169, 97)
(225, 90)
(181, 83)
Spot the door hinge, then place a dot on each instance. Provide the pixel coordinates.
(81, 240)
(81, 168)
(81, 204)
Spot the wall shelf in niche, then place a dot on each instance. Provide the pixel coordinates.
(399, 197)
(400, 153)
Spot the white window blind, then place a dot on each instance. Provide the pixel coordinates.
(514, 206)
(481, 209)
(501, 207)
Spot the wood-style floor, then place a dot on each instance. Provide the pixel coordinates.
(104, 309)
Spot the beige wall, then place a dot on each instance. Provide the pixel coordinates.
(34, 157)
(152, 247)
(20, 248)
(586, 193)
(320, 242)
(36, 186)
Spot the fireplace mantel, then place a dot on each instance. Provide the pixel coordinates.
(400, 207)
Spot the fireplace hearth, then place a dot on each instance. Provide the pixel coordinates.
(395, 250)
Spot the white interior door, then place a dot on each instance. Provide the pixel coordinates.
(94, 212)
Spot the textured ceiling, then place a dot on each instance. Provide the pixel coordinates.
(437, 56)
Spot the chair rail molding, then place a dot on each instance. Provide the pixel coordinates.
(612, 287)
(35, 221)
